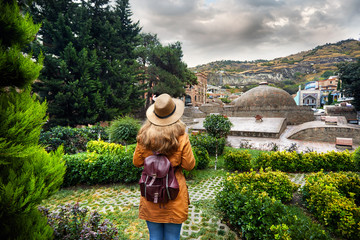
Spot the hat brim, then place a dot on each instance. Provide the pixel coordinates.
(169, 120)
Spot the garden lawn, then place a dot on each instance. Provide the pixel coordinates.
(119, 203)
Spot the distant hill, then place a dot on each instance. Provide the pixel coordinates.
(293, 69)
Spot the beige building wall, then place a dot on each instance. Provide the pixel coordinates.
(328, 84)
(198, 92)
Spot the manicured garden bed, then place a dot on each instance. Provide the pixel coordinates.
(254, 202)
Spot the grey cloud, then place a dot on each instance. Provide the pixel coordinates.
(171, 8)
(231, 27)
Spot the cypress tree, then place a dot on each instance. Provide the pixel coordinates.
(28, 174)
(330, 99)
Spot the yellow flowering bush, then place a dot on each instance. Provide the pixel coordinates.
(252, 203)
(334, 200)
(277, 184)
(102, 147)
(237, 160)
(306, 162)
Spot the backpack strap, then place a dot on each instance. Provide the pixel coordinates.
(167, 186)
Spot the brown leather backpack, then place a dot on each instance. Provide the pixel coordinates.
(158, 183)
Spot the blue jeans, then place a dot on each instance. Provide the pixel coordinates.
(164, 231)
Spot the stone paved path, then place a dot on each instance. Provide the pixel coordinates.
(204, 191)
(200, 221)
(208, 190)
(110, 200)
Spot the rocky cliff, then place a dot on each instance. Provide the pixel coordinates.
(305, 65)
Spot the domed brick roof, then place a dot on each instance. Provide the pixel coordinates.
(265, 96)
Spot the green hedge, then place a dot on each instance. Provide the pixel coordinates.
(306, 162)
(74, 140)
(202, 157)
(208, 142)
(356, 158)
(252, 204)
(101, 166)
(277, 184)
(334, 200)
(237, 160)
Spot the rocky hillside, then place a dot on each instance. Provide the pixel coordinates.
(300, 67)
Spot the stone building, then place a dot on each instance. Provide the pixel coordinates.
(196, 94)
(308, 97)
(328, 84)
(266, 101)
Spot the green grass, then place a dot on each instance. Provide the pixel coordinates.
(117, 202)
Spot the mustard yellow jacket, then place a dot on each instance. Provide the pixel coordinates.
(175, 211)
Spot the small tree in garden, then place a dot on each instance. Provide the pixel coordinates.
(330, 99)
(217, 126)
(124, 130)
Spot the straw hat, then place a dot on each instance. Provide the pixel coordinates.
(165, 110)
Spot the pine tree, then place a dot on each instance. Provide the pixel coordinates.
(115, 39)
(168, 72)
(144, 51)
(164, 70)
(101, 39)
(28, 174)
(349, 74)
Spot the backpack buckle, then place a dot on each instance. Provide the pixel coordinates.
(156, 197)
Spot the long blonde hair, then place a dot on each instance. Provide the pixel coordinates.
(162, 139)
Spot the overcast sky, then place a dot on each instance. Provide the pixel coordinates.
(211, 30)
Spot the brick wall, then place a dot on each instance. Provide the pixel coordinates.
(198, 92)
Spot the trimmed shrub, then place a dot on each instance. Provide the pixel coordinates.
(332, 199)
(356, 158)
(124, 130)
(109, 164)
(74, 140)
(102, 147)
(250, 204)
(276, 184)
(237, 160)
(190, 174)
(336, 161)
(282, 161)
(202, 157)
(208, 142)
(306, 162)
(73, 222)
(75, 166)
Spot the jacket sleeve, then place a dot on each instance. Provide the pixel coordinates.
(187, 156)
(138, 158)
